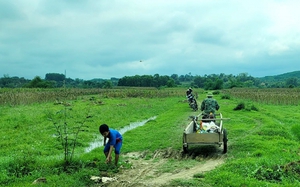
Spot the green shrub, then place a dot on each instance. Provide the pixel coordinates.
(199, 175)
(247, 107)
(4, 178)
(21, 165)
(274, 174)
(225, 96)
(254, 108)
(240, 106)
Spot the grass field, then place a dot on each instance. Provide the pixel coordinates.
(263, 146)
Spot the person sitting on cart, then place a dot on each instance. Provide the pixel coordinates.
(209, 106)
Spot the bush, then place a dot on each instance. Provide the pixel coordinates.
(240, 106)
(274, 174)
(226, 96)
(21, 166)
(247, 107)
(254, 108)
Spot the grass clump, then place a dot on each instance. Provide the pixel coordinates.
(240, 106)
(225, 96)
(296, 131)
(246, 106)
(274, 174)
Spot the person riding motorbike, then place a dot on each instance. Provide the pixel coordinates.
(189, 95)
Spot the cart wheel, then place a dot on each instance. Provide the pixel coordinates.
(225, 141)
(185, 149)
(185, 146)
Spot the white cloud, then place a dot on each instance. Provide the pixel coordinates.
(109, 38)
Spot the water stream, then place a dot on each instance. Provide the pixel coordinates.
(98, 142)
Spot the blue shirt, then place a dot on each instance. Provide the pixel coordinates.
(114, 137)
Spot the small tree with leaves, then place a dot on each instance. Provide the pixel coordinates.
(67, 130)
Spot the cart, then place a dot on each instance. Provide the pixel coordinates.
(195, 133)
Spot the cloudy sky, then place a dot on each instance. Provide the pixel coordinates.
(115, 38)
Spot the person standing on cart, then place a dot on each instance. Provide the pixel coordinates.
(209, 106)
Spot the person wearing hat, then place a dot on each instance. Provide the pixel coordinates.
(209, 105)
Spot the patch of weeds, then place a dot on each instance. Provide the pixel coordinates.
(84, 176)
(292, 169)
(296, 131)
(125, 165)
(277, 173)
(216, 92)
(110, 168)
(240, 106)
(148, 157)
(247, 107)
(258, 153)
(22, 165)
(252, 107)
(225, 96)
(77, 165)
(199, 175)
(4, 178)
(274, 174)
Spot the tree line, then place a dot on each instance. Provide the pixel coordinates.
(207, 82)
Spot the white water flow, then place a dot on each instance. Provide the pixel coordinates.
(98, 142)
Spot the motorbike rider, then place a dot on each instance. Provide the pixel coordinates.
(189, 94)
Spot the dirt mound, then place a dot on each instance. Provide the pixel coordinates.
(144, 170)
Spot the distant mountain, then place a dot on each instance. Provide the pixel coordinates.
(281, 78)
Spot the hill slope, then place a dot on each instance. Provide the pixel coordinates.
(281, 77)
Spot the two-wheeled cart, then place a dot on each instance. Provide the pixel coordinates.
(205, 132)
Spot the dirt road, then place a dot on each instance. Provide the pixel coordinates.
(145, 172)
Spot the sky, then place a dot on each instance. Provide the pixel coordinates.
(89, 39)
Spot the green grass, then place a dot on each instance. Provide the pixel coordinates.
(259, 141)
(263, 146)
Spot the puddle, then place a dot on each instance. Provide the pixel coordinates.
(99, 140)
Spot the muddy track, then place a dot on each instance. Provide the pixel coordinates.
(145, 172)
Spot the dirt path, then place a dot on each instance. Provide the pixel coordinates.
(146, 172)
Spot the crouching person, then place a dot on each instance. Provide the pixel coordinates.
(114, 143)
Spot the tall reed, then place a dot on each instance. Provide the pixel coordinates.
(277, 96)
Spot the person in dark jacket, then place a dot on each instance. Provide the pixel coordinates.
(209, 105)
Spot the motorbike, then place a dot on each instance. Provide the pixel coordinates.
(192, 102)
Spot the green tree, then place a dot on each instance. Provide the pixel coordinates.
(199, 81)
(107, 84)
(55, 77)
(291, 82)
(248, 83)
(37, 82)
(171, 83)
